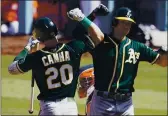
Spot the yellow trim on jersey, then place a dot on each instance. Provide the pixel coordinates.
(115, 65)
(122, 67)
(125, 18)
(56, 51)
(155, 59)
(20, 70)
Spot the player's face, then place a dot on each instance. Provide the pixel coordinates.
(35, 33)
(124, 27)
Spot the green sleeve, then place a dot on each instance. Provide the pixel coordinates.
(24, 60)
(147, 54)
(26, 64)
(21, 55)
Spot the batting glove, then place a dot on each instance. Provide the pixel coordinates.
(164, 48)
(76, 14)
(101, 10)
(31, 43)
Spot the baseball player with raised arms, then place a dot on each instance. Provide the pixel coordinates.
(115, 61)
(55, 66)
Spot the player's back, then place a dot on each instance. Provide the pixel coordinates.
(56, 71)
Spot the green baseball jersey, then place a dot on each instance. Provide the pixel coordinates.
(55, 70)
(116, 63)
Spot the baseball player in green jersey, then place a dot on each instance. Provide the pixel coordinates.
(55, 67)
(115, 61)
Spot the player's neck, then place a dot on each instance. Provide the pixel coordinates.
(118, 36)
(50, 43)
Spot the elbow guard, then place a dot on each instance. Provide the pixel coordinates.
(14, 68)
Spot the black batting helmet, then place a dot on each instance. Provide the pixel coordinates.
(45, 29)
(123, 13)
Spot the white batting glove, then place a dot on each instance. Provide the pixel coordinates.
(76, 14)
(31, 43)
(164, 48)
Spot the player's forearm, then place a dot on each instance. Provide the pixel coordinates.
(22, 54)
(79, 30)
(162, 60)
(94, 31)
(91, 16)
(163, 57)
(13, 67)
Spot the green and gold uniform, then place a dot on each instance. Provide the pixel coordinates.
(116, 63)
(56, 70)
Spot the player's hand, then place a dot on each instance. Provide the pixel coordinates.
(31, 43)
(164, 48)
(76, 14)
(101, 10)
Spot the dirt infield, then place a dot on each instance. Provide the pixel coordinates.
(12, 45)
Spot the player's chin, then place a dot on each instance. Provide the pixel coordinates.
(125, 32)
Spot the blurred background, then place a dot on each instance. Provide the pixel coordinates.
(151, 27)
(151, 17)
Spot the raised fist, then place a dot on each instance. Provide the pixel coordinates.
(76, 14)
(164, 48)
(31, 43)
(101, 10)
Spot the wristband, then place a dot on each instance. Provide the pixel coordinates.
(86, 22)
(28, 47)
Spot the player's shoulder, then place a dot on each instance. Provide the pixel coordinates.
(34, 54)
(38, 54)
(49, 50)
(135, 43)
(138, 45)
(75, 42)
(106, 37)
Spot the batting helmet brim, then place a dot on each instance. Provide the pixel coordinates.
(125, 18)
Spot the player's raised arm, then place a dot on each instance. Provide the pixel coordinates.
(94, 31)
(20, 58)
(154, 57)
(81, 33)
(100, 10)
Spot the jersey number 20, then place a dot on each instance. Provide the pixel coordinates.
(55, 72)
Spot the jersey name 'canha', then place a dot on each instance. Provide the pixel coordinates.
(55, 70)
